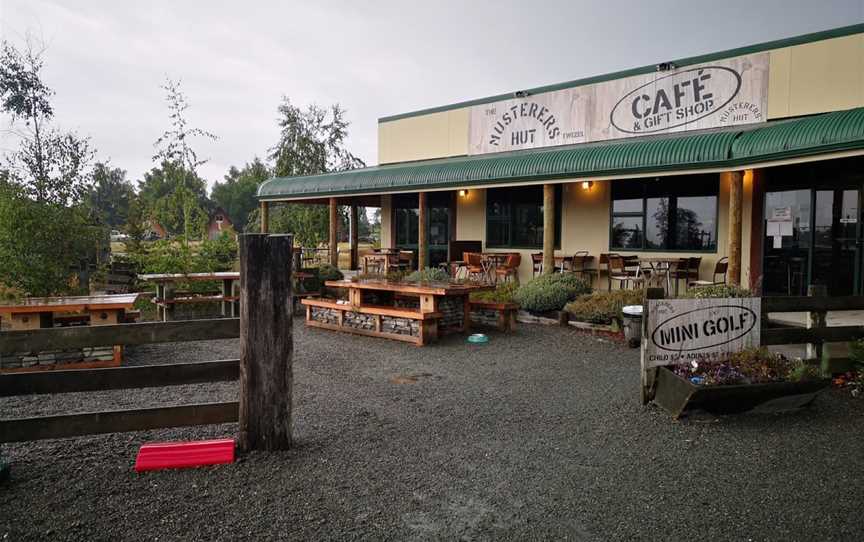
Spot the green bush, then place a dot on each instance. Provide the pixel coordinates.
(602, 307)
(329, 272)
(718, 290)
(429, 274)
(503, 293)
(219, 254)
(550, 292)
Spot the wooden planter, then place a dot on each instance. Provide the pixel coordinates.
(504, 314)
(678, 395)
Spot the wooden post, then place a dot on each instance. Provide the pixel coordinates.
(265, 217)
(736, 194)
(354, 219)
(422, 233)
(334, 237)
(548, 228)
(816, 319)
(266, 342)
(648, 375)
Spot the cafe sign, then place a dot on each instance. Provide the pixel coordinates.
(680, 331)
(726, 92)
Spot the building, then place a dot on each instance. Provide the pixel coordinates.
(754, 154)
(219, 223)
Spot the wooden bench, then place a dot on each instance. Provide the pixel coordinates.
(506, 319)
(376, 321)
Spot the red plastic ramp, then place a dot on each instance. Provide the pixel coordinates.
(181, 455)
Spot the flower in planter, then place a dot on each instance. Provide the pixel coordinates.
(750, 366)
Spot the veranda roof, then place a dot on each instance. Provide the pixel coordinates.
(824, 134)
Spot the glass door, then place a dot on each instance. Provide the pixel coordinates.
(406, 219)
(788, 238)
(835, 246)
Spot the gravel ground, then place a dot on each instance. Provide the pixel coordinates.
(533, 436)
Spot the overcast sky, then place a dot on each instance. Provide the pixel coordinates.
(107, 59)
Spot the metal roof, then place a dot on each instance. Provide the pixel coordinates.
(743, 146)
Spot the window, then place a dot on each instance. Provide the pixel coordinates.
(675, 213)
(514, 217)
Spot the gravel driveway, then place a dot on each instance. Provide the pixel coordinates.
(534, 436)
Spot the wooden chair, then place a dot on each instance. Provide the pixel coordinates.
(577, 265)
(618, 272)
(603, 267)
(686, 269)
(536, 263)
(720, 269)
(395, 263)
(474, 263)
(510, 269)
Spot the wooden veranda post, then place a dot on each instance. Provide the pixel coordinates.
(334, 230)
(265, 217)
(354, 219)
(736, 196)
(422, 233)
(266, 342)
(548, 228)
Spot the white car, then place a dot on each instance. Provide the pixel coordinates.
(117, 235)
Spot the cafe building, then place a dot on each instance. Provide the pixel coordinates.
(754, 154)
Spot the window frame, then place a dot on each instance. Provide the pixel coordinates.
(670, 194)
(512, 196)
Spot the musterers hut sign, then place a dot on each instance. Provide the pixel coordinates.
(685, 330)
(727, 92)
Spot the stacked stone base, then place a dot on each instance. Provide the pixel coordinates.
(59, 359)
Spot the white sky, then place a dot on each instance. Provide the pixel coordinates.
(107, 59)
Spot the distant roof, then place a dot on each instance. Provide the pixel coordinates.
(681, 62)
(729, 148)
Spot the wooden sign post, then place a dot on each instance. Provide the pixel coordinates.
(266, 342)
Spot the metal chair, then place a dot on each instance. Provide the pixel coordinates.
(618, 271)
(602, 261)
(577, 265)
(510, 269)
(536, 263)
(720, 269)
(476, 271)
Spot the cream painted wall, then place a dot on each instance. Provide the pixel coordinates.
(816, 77)
(386, 217)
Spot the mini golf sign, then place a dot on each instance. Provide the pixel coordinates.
(681, 331)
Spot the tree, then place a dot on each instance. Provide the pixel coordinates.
(46, 230)
(51, 166)
(311, 142)
(111, 195)
(237, 194)
(174, 144)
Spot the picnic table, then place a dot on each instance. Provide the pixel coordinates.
(414, 312)
(47, 312)
(165, 291)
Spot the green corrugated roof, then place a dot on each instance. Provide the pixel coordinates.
(754, 144)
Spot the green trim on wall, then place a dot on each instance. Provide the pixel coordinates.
(728, 148)
(681, 62)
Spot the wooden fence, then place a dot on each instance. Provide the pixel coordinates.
(88, 380)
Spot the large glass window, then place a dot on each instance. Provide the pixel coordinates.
(514, 217)
(675, 213)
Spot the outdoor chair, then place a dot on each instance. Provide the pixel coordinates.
(395, 263)
(687, 269)
(603, 267)
(510, 269)
(536, 263)
(720, 269)
(618, 272)
(476, 271)
(577, 265)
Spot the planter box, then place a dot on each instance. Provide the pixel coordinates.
(678, 395)
(612, 330)
(499, 315)
(547, 319)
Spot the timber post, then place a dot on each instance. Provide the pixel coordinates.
(265, 217)
(333, 238)
(648, 375)
(816, 320)
(354, 223)
(548, 228)
(736, 190)
(422, 233)
(266, 342)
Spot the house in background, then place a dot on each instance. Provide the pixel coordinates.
(219, 223)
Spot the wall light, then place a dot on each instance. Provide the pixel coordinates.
(463, 193)
(586, 185)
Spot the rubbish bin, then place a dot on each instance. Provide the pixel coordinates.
(632, 320)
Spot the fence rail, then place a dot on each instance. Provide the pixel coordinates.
(117, 378)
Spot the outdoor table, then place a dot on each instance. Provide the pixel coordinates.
(412, 312)
(165, 282)
(662, 265)
(44, 312)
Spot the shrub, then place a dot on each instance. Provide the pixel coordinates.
(503, 293)
(718, 290)
(602, 307)
(329, 272)
(10, 294)
(429, 274)
(218, 254)
(550, 292)
(749, 366)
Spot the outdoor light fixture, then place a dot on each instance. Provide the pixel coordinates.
(586, 185)
(463, 193)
